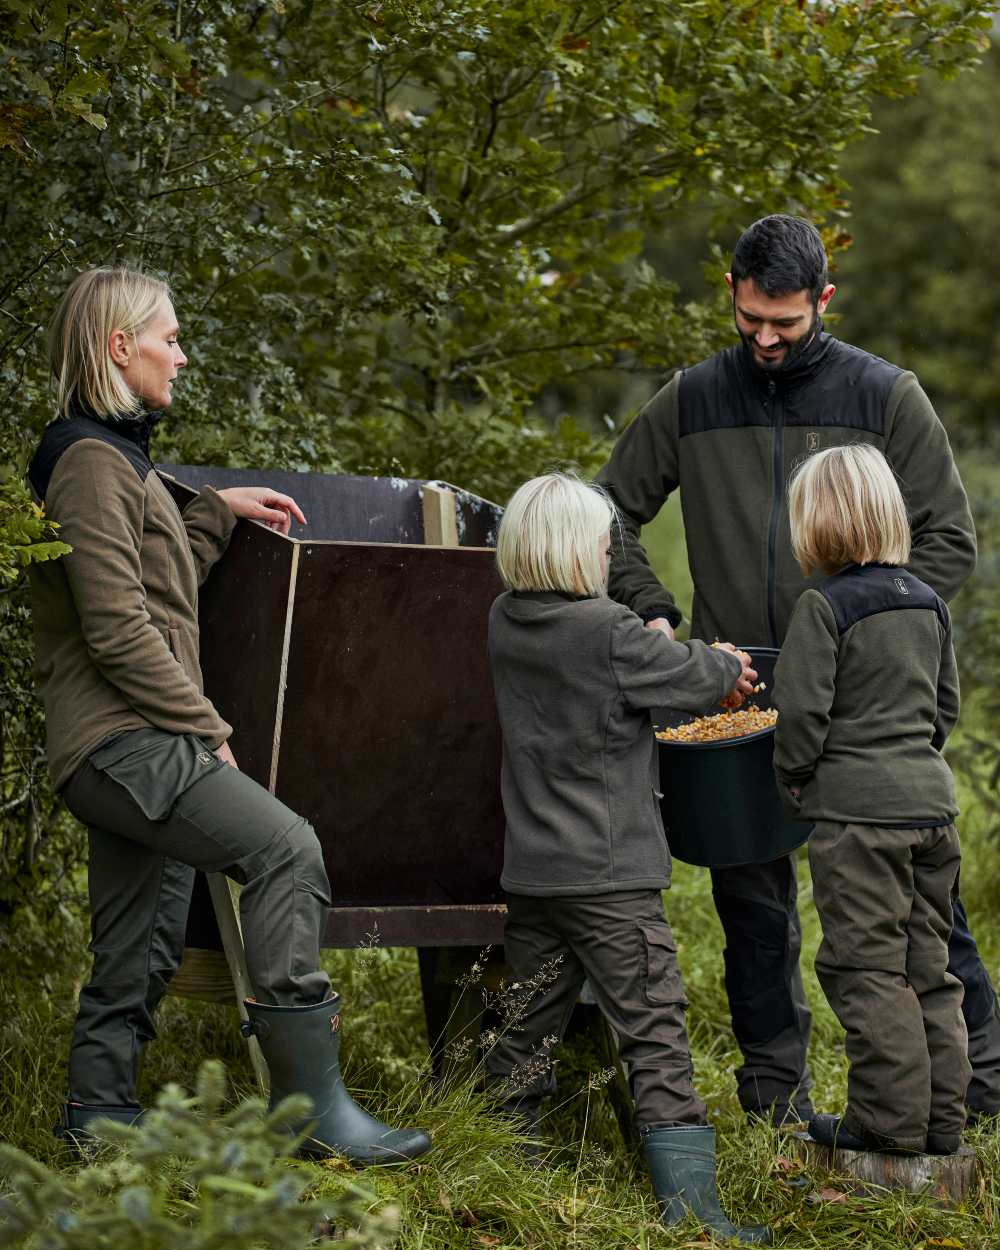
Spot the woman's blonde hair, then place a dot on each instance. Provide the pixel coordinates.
(98, 302)
(549, 535)
(845, 507)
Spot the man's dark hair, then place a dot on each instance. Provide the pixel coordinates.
(783, 255)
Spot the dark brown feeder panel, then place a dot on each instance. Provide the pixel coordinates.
(350, 659)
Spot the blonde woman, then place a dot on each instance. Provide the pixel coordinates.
(139, 753)
(585, 858)
(867, 691)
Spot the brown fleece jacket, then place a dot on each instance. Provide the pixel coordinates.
(116, 621)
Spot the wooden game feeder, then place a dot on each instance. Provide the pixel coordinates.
(350, 658)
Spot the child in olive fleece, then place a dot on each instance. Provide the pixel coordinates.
(585, 859)
(867, 691)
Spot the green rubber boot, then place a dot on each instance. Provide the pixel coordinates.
(302, 1049)
(75, 1129)
(681, 1162)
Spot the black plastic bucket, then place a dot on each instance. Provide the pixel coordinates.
(720, 801)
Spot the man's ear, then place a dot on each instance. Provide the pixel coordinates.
(118, 347)
(829, 291)
(729, 283)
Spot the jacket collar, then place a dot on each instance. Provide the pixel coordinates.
(550, 596)
(135, 428)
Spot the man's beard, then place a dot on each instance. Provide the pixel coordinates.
(792, 350)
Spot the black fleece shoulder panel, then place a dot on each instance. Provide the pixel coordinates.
(866, 590)
(842, 386)
(62, 433)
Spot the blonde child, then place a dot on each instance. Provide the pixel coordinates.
(867, 691)
(585, 857)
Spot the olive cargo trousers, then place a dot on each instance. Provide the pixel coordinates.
(622, 944)
(770, 1013)
(884, 898)
(158, 806)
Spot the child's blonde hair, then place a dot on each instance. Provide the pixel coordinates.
(845, 507)
(98, 302)
(549, 536)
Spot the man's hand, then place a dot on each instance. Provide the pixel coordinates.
(225, 754)
(661, 623)
(260, 503)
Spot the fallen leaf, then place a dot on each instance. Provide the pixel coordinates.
(826, 1195)
(444, 1201)
(467, 1219)
(487, 1239)
(786, 1165)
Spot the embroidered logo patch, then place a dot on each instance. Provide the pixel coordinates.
(204, 757)
(901, 586)
(812, 441)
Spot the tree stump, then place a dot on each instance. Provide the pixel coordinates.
(948, 1178)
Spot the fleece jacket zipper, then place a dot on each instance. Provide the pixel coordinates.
(777, 413)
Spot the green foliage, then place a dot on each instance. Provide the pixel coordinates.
(376, 216)
(25, 533)
(192, 1176)
(932, 303)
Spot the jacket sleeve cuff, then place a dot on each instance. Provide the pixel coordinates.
(211, 513)
(661, 611)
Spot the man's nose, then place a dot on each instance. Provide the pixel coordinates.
(767, 336)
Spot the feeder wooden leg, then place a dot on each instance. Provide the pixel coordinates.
(453, 1011)
(437, 997)
(227, 915)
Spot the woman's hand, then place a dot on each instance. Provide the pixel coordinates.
(260, 503)
(225, 753)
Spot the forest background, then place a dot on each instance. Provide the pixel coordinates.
(465, 241)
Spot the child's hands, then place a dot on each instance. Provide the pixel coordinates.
(744, 683)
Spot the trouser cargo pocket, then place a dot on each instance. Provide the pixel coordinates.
(661, 982)
(155, 767)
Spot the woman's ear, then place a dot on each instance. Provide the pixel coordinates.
(118, 346)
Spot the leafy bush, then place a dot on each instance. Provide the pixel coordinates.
(192, 1176)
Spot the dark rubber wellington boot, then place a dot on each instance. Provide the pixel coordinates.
(302, 1049)
(829, 1130)
(681, 1162)
(77, 1117)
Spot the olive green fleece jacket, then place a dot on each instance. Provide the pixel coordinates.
(116, 620)
(727, 435)
(866, 689)
(575, 682)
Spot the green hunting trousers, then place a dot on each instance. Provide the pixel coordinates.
(157, 807)
(622, 944)
(884, 898)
